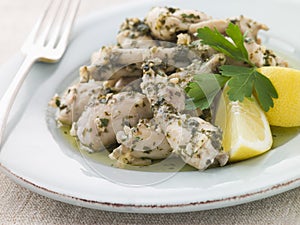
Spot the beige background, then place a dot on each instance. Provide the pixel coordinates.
(20, 206)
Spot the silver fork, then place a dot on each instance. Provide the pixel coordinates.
(47, 42)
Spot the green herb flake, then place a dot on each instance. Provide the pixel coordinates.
(190, 16)
(57, 102)
(104, 122)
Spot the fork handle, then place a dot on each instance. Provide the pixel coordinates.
(9, 96)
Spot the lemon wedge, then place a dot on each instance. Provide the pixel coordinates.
(286, 110)
(246, 131)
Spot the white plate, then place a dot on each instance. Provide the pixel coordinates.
(36, 155)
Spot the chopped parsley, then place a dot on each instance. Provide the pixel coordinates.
(104, 122)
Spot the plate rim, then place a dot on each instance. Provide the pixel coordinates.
(151, 208)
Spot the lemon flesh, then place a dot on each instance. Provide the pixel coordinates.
(246, 131)
(286, 110)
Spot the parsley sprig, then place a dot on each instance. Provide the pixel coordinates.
(242, 81)
(203, 90)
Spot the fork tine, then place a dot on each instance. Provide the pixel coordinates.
(36, 48)
(69, 20)
(52, 14)
(53, 37)
(36, 29)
